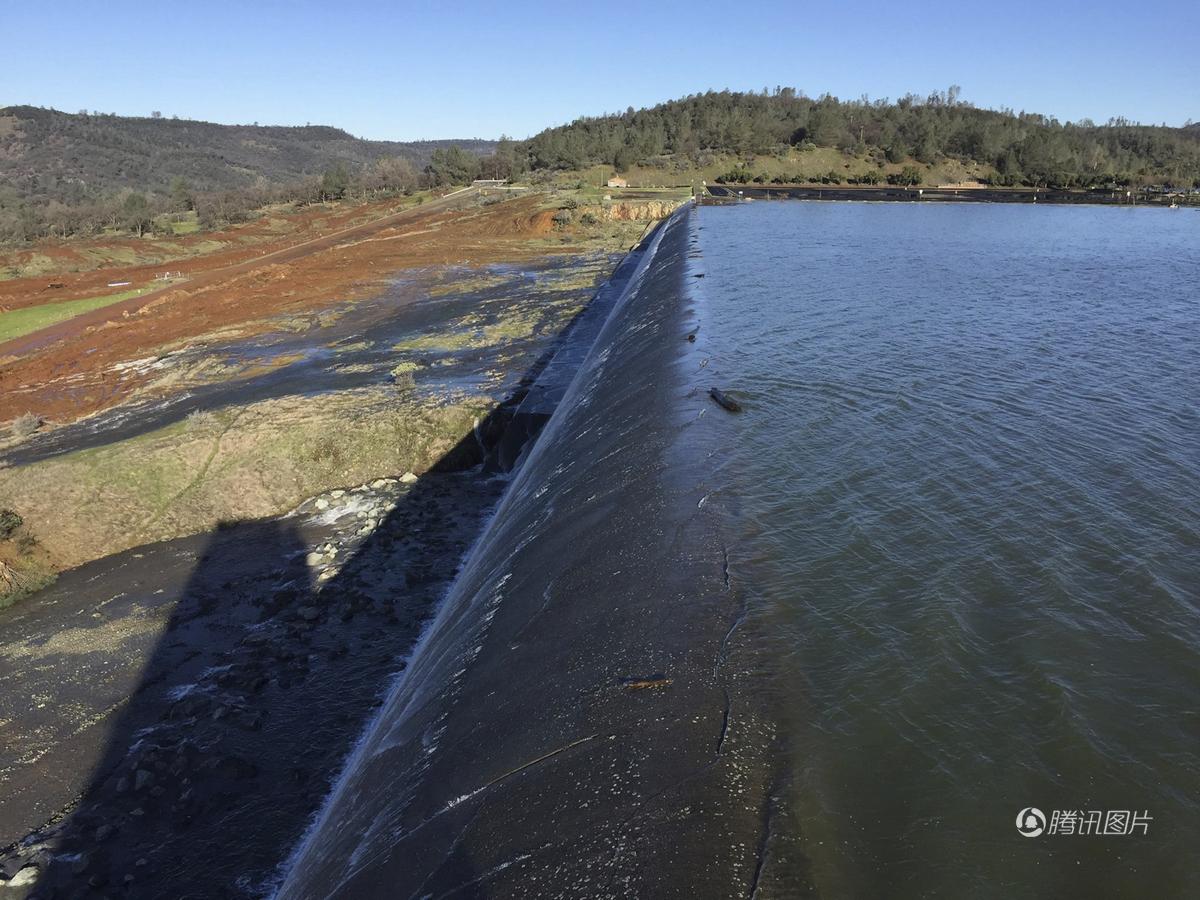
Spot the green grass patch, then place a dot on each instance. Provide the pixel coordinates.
(20, 322)
(189, 224)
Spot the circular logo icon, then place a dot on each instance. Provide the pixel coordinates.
(1031, 822)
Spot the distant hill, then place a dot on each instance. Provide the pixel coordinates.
(46, 154)
(1013, 148)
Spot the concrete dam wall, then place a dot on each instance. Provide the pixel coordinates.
(581, 717)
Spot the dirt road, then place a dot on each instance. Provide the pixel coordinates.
(30, 343)
(81, 366)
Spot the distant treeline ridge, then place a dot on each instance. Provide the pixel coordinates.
(66, 174)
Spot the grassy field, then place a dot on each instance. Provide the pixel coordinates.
(20, 322)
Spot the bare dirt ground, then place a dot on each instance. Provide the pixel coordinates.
(84, 266)
(66, 371)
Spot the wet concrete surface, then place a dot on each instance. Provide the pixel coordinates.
(583, 717)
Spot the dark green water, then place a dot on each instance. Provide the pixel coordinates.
(968, 483)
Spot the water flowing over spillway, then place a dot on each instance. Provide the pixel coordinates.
(574, 716)
(861, 529)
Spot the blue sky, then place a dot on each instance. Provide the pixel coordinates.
(405, 71)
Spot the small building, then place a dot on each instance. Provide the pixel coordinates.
(617, 182)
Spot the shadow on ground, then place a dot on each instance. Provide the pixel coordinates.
(260, 680)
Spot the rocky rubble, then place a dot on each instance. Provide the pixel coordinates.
(241, 724)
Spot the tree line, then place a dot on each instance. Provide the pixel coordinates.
(1018, 148)
(64, 174)
(1013, 148)
(142, 212)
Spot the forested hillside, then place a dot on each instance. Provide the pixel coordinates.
(59, 155)
(63, 173)
(1016, 148)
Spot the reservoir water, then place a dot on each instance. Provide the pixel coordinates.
(967, 495)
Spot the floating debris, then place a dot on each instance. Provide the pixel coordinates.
(724, 400)
(649, 682)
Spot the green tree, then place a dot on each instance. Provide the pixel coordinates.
(624, 158)
(335, 182)
(452, 165)
(181, 194)
(136, 214)
(908, 176)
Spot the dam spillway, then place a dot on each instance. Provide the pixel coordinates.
(576, 716)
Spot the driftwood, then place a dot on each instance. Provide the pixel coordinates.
(724, 400)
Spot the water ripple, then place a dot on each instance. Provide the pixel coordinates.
(969, 477)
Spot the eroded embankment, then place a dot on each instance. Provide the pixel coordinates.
(581, 715)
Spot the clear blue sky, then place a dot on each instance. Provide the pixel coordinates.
(405, 71)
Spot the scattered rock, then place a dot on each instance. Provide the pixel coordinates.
(381, 483)
(408, 478)
(23, 878)
(338, 494)
(321, 503)
(104, 832)
(308, 613)
(314, 559)
(142, 779)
